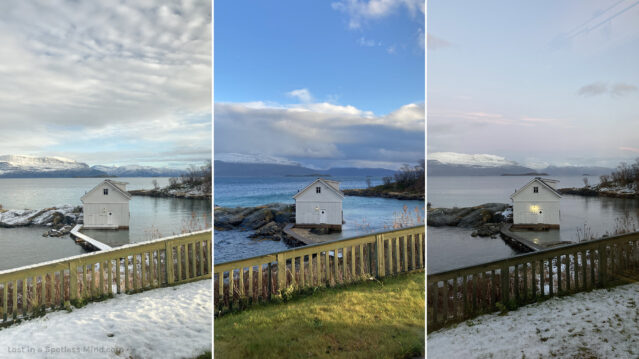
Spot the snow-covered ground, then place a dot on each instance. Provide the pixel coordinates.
(598, 324)
(41, 217)
(170, 322)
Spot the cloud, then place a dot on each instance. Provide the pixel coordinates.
(75, 73)
(593, 89)
(599, 88)
(301, 94)
(630, 149)
(368, 42)
(435, 43)
(362, 10)
(621, 89)
(321, 134)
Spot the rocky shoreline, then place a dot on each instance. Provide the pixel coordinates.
(602, 192)
(267, 221)
(485, 219)
(60, 219)
(193, 193)
(372, 192)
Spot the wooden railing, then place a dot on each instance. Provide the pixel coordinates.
(461, 294)
(131, 268)
(241, 282)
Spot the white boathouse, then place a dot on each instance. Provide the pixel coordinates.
(536, 204)
(106, 206)
(319, 205)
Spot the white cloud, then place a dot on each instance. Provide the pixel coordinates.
(74, 71)
(302, 94)
(327, 131)
(362, 10)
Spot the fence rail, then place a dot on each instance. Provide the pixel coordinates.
(461, 294)
(241, 282)
(131, 268)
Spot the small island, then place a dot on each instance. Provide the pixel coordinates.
(407, 184)
(194, 184)
(621, 183)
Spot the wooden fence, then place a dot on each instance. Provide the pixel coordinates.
(461, 294)
(241, 282)
(131, 268)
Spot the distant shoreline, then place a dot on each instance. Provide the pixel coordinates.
(525, 174)
(373, 192)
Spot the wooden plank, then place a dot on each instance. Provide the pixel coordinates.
(435, 291)
(311, 274)
(302, 271)
(61, 289)
(445, 302)
(110, 278)
(127, 285)
(231, 286)
(361, 260)
(569, 270)
(101, 281)
(465, 314)
(559, 265)
(336, 264)
(505, 289)
(454, 299)
(352, 274)
(525, 296)
(73, 280)
(85, 283)
(143, 270)
(170, 263)
(420, 240)
(412, 251)
(533, 279)
(293, 271)
(551, 276)
(398, 268)
(193, 261)
(5, 306)
(135, 272)
(118, 278)
(327, 279)
(493, 290)
(179, 263)
(389, 260)
(34, 289)
(14, 296)
(250, 282)
(220, 290)
(240, 287)
(25, 300)
(474, 288)
(200, 253)
(516, 287)
(281, 272)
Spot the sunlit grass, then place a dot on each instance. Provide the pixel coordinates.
(372, 319)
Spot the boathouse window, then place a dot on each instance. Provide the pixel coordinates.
(318, 189)
(105, 191)
(536, 189)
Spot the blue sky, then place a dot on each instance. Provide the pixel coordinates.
(111, 83)
(320, 83)
(540, 82)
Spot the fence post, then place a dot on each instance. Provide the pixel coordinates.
(281, 272)
(603, 265)
(379, 250)
(73, 280)
(169, 263)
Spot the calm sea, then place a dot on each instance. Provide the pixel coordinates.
(150, 217)
(361, 214)
(450, 248)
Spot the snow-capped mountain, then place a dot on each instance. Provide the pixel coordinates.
(19, 166)
(138, 171)
(253, 158)
(31, 166)
(477, 160)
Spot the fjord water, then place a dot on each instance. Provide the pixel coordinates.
(150, 217)
(361, 214)
(451, 247)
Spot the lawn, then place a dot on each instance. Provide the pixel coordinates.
(372, 319)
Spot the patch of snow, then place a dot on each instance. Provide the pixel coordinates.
(482, 160)
(599, 324)
(172, 322)
(41, 217)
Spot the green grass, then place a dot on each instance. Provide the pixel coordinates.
(371, 319)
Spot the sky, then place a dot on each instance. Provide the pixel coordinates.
(107, 82)
(537, 82)
(320, 83)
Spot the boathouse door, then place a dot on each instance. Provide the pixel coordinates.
(540, 217)
(323, 216)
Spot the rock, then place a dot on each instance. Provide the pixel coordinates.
(257, 219)
(269, 230)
